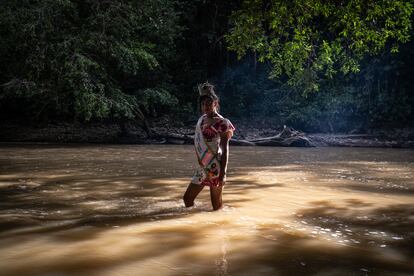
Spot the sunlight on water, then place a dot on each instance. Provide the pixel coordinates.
(117, 210)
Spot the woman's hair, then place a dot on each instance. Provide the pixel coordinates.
(206, 91)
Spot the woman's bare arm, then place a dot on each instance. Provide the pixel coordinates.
(224, 145)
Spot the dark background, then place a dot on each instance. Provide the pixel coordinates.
(117, 61)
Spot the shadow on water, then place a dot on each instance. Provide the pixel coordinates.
(390, 177)
(99, 256)
(62, 203)
(361, 242)
(79, 195)
(391, 225)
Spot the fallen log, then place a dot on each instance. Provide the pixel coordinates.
(237, 142)
(264, 139)
(288, 137)
(288, 142)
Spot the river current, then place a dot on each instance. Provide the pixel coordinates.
(118, 210)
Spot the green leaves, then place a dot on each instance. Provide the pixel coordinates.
(85, 59)
(156, 99)
(311, 40)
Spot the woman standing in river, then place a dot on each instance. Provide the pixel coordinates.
(211, 141)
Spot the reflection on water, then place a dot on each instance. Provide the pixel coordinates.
(117, 210)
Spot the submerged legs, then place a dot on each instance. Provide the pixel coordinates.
(216, 199)
(192, 192)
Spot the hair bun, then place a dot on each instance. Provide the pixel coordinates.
(206, 89)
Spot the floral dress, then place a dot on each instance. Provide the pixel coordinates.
(208, 151)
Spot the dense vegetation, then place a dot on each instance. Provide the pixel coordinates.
(316, 65)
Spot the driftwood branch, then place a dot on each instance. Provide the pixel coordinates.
(288, 137)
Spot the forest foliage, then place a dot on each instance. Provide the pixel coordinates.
(315, 65)
(312, 40)
(87, 59)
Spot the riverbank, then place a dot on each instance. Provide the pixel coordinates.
(164, 133)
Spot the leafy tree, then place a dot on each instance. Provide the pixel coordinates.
(119, 59)
(86, 59)
(378, 97)
(310, 40)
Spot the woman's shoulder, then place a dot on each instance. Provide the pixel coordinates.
(223, 124)
(224, 119)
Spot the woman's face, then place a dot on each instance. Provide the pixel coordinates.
(208, 105)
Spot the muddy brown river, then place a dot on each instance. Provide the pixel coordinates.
(117, 210)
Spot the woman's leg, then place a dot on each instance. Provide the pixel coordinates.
(216, 200)
(192, 192)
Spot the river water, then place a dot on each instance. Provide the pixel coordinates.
(117, 210)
